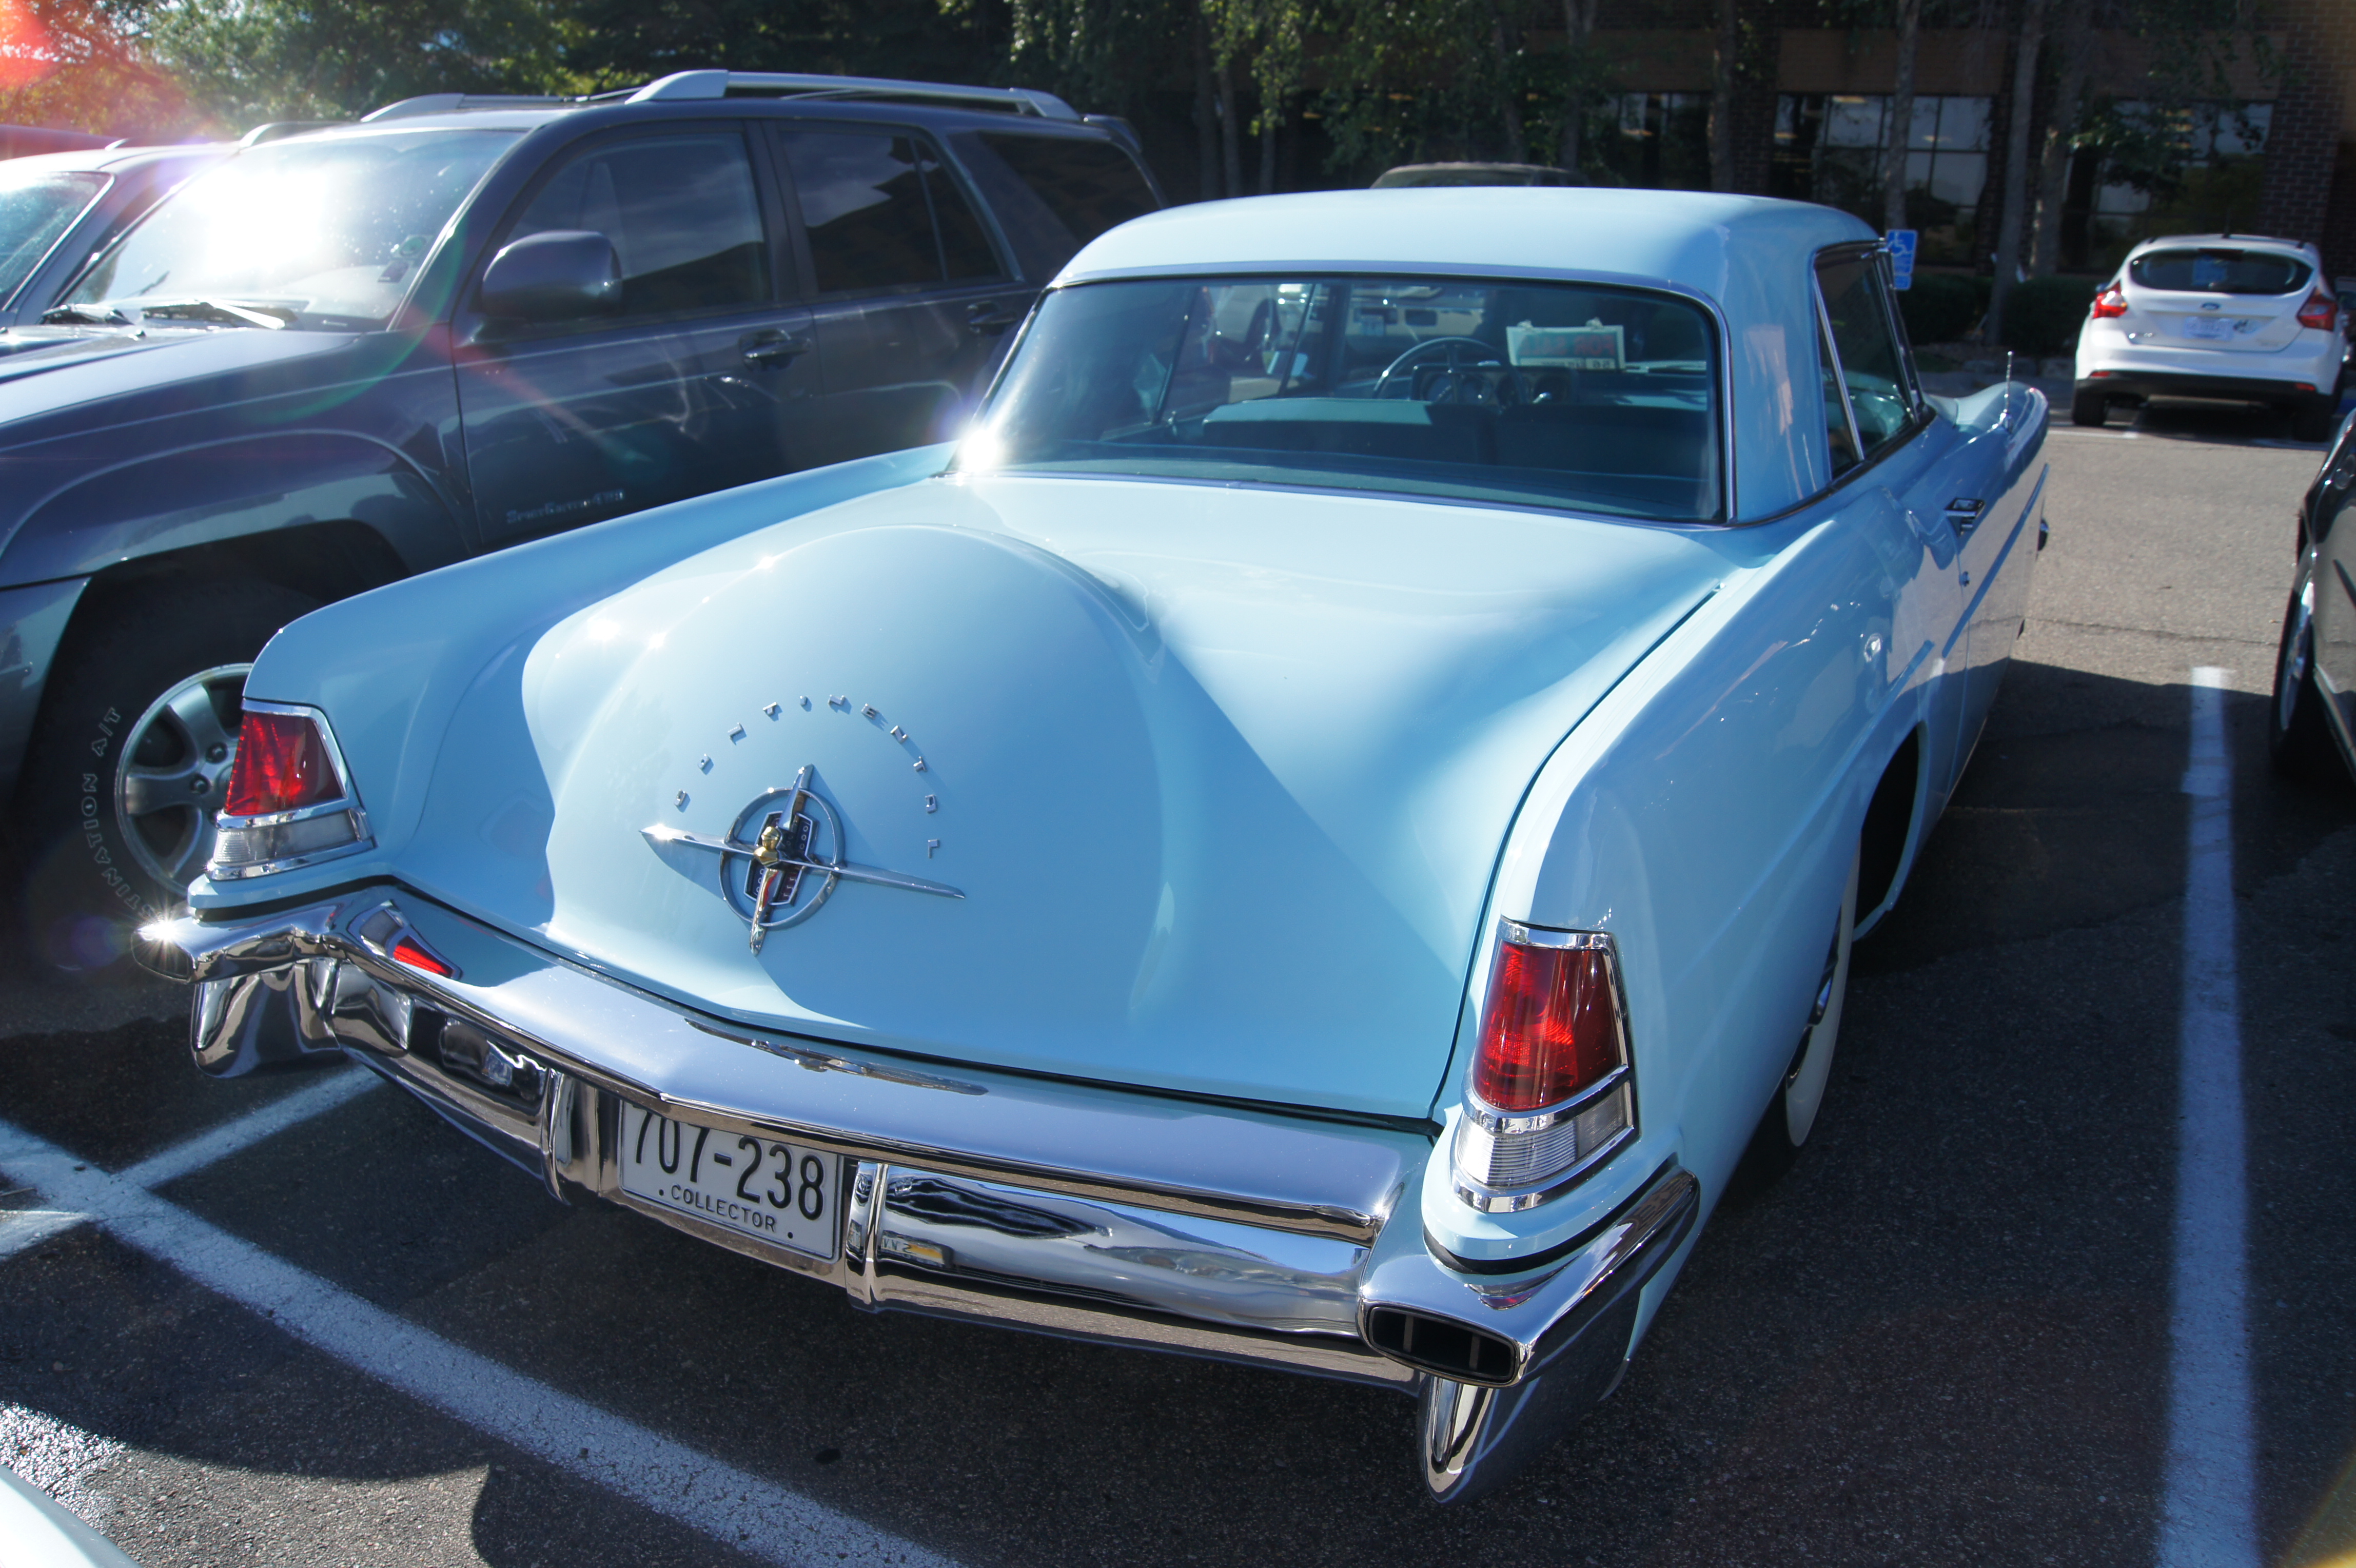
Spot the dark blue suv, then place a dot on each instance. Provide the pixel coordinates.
(342, 358)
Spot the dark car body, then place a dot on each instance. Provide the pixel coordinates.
(72, 204)
(153, 465)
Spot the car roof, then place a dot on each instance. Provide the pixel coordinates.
(1693, 241)
(2236, 242)
(104, 159)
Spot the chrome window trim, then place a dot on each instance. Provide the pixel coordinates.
(347, 801)
(1830, 347)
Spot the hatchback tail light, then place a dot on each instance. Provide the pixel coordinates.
(1551, 1090)
(289, 801)
(2320, 311)
(2109, 303)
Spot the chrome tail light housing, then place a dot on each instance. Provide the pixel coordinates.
(1551, 1090)
(290, 800)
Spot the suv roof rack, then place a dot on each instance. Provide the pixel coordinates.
(748, 83)
(452, 102)
(687, 85)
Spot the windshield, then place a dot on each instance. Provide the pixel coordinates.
(34, 210)
(328, 230)
(2212, 271)
(1548, 394)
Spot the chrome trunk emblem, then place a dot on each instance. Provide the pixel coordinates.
(789, 845)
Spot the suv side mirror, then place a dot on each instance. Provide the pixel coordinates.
(561, 275)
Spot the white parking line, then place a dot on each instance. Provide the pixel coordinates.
(730, 1505)
(2209, 1487)
(219, 1142)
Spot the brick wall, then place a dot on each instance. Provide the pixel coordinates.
(2302, 199)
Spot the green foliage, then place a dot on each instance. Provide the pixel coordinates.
(1940, 307)
(285, 59)
(2042, 316)
(80, 65)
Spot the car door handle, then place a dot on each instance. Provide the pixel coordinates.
(989, 318)
(773, 349)
(1964, 513)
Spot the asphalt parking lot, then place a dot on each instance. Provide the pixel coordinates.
(1943, 1339)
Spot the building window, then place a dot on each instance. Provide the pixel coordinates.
(1659, 140)
(2193, 169)
(1829, 148)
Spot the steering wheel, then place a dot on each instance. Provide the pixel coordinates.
(1415, 352)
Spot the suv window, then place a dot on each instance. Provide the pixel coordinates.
(683, 212)
(2210, 270)
(33, 213)
(1865, 346)
(882, 212)
(1089, 186)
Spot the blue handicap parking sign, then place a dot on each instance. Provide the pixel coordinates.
(1901, 258)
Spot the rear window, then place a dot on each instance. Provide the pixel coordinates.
(1535, 394)
(1089, 186)
(34, 213)
(2221, 271)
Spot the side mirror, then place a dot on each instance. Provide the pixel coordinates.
(561, 275)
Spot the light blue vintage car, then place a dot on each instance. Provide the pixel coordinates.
(1317, 835)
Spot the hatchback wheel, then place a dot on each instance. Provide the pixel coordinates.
(131, 758)
(2090, 408)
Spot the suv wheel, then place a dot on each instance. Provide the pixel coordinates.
(132, 756)
(2092, 408)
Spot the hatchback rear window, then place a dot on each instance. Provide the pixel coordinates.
(1537, 393)
(2215, 270)
(1089, 186)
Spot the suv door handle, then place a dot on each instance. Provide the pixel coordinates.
(773, 349)
(1964, 513)
(989, 318)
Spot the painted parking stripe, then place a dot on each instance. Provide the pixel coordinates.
(2209, 1487)
(730, 1505)
(218, 1143)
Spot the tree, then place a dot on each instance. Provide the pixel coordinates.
(1901, 117)
(79, 65)
(2027, 41)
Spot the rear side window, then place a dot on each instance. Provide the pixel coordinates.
(683, 212)
(33, 214)
(2221, 271)
(1089, 186)
(882, 212)
(1864, 344)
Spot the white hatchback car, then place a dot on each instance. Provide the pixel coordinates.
(2215, 316)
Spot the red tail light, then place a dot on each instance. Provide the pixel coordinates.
(281, 765)
(1551, 1027)
(2320, 311)
(407, 949)
(2109, 303)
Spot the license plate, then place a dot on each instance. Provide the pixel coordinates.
(777, 1192)
(2208, 326)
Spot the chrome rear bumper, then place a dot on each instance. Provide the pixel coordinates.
(1071, 1209)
